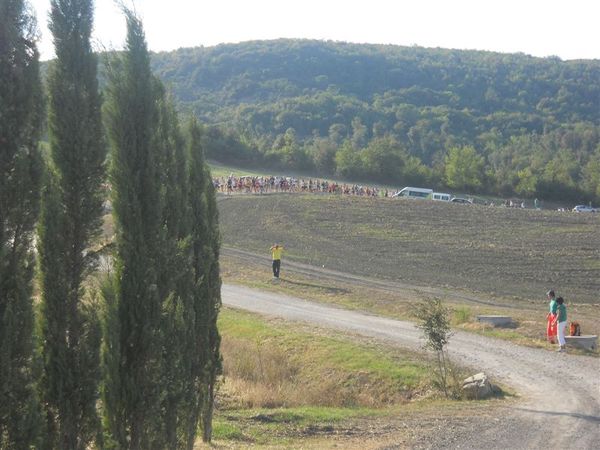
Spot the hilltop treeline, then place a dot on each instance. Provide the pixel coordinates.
(487, 122)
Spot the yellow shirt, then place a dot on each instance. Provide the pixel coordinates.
(276, 252)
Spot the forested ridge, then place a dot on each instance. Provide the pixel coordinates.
(513, 124)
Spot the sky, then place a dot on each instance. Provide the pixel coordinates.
(565, 28)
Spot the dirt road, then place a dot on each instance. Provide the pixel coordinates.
(560, 405)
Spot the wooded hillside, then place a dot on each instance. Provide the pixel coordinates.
(517, 124)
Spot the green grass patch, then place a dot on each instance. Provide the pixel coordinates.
(350, 388)
(276, 354)
(227, 430)
(462, 314)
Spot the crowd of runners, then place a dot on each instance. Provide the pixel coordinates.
(252, 184)
(268, 184)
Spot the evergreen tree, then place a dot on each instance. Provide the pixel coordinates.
(21, 109)
(133, 358)
(71, 219)
(177, 318)
(161, 349)
(207, 285)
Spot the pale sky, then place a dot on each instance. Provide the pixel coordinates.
(566, 28)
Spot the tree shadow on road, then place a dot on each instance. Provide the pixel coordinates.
(333, 290)
(593, 419)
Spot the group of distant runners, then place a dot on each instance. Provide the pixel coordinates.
(248, 184)
(269, 184)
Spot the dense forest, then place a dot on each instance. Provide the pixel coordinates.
(482, 122)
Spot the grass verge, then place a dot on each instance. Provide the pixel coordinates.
(296, 386)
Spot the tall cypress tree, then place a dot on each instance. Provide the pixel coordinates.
(71, 219)
(160, 351)
(21, 109)
(205, 239)
(133, 391)
(176, 278)
(213, 366)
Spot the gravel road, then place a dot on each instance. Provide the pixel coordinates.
(560, 405)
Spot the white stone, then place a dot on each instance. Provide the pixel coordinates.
(478, 386)
(586, 341)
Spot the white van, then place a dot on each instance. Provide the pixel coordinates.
(441, 196)
(413, 192)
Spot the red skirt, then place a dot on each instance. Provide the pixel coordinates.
(551, 328)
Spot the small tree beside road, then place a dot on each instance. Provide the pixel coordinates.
(434, 321)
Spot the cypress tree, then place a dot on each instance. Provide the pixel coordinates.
(160, 353)
(133, 392)
(21, 109)
(176, 278)
(213, 366)
(71, 219)
(207, 285)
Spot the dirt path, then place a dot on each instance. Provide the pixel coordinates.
(560, 405)
(357, 280)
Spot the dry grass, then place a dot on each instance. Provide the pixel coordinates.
(271, 365)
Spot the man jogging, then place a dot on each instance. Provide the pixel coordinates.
(276, 251)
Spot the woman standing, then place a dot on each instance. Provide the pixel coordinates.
(561, 319)
(551, 317)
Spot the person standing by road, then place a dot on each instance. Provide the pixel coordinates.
(551, 317)
(561, 319)
(276, 251)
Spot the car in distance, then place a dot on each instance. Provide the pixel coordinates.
(584, 208)
(461, 200)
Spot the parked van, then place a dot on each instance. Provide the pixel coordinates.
(413, 192)
(440, 196)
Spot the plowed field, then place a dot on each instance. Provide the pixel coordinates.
(499, 252)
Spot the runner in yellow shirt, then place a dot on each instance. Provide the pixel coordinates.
(276, 251)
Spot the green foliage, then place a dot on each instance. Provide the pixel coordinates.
(591, 175)
(161, 353)
(70, 220)
(434, 321)
(462, 314)
(425, 100)
(527, 184)
(133, 388)
(21, 109)
(205, 238)
(464, 169)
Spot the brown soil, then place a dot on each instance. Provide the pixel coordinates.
(488, 251)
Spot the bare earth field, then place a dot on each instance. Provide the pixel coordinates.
(493, 252)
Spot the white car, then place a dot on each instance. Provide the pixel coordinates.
(584, 208)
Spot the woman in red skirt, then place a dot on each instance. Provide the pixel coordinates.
(551, 317)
